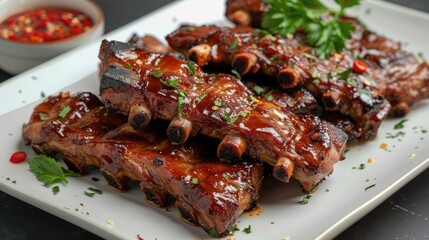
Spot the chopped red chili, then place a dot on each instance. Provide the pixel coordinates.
(359, 66)
(18, 157)
(45, 24)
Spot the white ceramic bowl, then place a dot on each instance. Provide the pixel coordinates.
(16, 57)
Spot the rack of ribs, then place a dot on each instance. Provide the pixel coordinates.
(300, 101)
(208, 193)
(146, 85)
(354, 96)
(402, 77)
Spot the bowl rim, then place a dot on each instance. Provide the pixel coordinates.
(98, 22)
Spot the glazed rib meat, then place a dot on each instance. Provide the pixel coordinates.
(208, 193)
(355, 96)
(145, 85)
(402, 77)
(245, 12)
(300, 101)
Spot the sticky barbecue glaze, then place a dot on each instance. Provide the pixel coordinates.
(208, 193)
(218, 105)
(403, 79)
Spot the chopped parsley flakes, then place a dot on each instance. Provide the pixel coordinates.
(400, 124)
(305, 199)
(63, 113)
(248, 229)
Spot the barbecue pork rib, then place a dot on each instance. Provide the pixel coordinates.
(208, 193)
(246, 12)
(300, 101)
(354, 96)
(403, 79)
(145, 85)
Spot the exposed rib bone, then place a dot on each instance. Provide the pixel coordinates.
(231, 148)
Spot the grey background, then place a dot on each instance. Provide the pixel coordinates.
(402, 216)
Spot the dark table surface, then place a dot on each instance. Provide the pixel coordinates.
(402, 216)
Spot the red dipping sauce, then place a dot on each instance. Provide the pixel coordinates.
(46, 24)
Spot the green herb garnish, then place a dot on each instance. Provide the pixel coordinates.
(63, 113)
(191, 29)
(92, 191)
(316, 81)
(95, 190)
(305, 199)
(170, 83)
(236, 74)
(315, 73)
(182, 94)
(213, 233)
(157, 74)
(309, 56)
(56, 189)
(400, 124)
(48, 171)
(398, 134)
(370, 186)
(326, 34)
(233, 229)
(248, 229)
(219, 103)
(128, 65)
(228, 118)
(258, 90)
(180, 101)
(43, 116)
(200, 98)
(345, 74)
(234, 44)
(194, 180)
(191, 68)
(89, 194)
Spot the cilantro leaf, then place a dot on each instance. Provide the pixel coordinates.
(48, 171)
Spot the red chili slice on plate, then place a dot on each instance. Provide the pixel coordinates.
(18, 157)
(359, 66)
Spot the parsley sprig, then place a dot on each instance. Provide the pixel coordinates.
(48, 171)
(323, 26)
